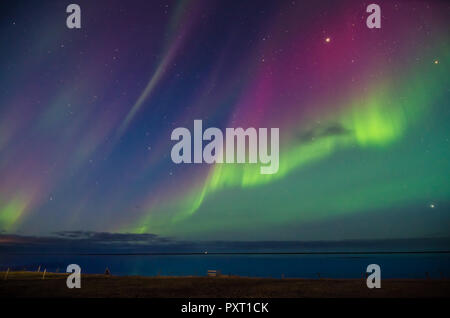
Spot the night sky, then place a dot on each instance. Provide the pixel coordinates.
(86, 117)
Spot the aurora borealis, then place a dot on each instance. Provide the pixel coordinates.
(86, 117)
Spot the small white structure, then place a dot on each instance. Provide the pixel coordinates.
(213, 273)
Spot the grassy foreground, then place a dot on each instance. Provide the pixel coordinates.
(31, 284)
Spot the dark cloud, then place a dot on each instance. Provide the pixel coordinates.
(335, 130)
(106, 237)
(322, 132)
(87, 242)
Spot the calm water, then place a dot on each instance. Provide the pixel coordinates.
(302, 266)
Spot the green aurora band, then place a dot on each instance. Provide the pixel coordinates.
(376, 121)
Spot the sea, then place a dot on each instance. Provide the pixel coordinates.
(274, 265)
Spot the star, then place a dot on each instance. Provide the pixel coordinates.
(436, 61)
(328, 39)
(432, 205)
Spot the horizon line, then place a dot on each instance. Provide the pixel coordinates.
(235, 253)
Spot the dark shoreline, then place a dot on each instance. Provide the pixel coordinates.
(31, 285)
